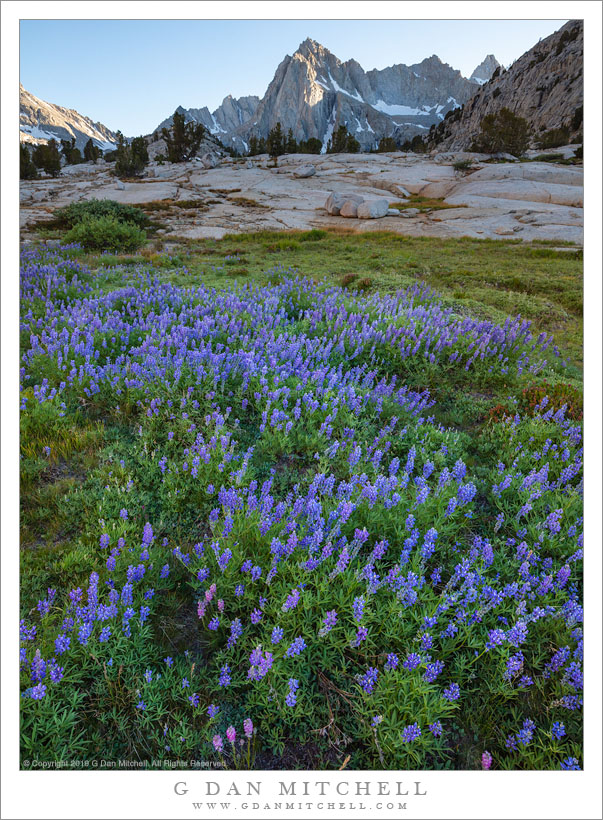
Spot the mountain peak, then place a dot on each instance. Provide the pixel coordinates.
(311, 47)
(485, 69)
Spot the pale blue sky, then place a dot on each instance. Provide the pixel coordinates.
(131, 74)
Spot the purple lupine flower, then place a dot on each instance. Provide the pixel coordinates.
(291, 698)
(212, 711)
(514, 665)
(292, 600)
(256, 616)
(194, 700)
(359, 604)
(432, 670)
(369, 679)
(412, 661)
(435, 728)
(361, 635)
(224, 679)
(411, 733)
(453, 692)
(329, 622)
(37, 692)
(525, 735)
(392, 661)
(277, 635)
(518, 633)
(558, 730)
(296, 647)
(123, 514)
(61, 644)
(495, 637)
(570, 764)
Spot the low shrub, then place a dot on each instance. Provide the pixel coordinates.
(77, 212)
(553, 138)
(106, 233)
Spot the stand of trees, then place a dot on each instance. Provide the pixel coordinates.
(27, 169)
(503, 131)
(130, 159)
(91, 152)
(72, 154)
(342, 142)
(47, 158)
(183, 139)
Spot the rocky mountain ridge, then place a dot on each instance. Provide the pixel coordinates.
(544, 86)
(313, 93)
(40, 121)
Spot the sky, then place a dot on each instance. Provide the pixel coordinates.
(132, 74)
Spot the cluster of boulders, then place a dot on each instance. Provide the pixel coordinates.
(354, 206)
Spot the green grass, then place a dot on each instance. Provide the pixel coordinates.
(490, 278)
(424, 204)
(95, 456)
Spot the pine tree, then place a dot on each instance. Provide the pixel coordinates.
(139, 150)
(27, 170)
(253, 146)
(47, 158)
(70, 152)
(387, 144)
(275, 142)
(182, 139)
(91, 151)
(310, 146)
(131, 159)
(291, 146)
(503, 131)
(342, 142)
(261, 146)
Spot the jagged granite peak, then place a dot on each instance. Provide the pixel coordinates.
(544, 86)
(40, 121)
(229, 115)
(485, 69)
(313, 93)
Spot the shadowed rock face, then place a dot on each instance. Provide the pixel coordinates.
(313, 93)
(545, 86)
(40, 121)
(224, 120)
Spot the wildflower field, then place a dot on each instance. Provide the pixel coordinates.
(255, 532)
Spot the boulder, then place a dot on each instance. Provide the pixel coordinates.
(373, 209)
(249, 164)
(209, 161)
(349, 209)
(120, 185)
(393, 212)
(507, 157)
(337, 199)
(304, 171)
